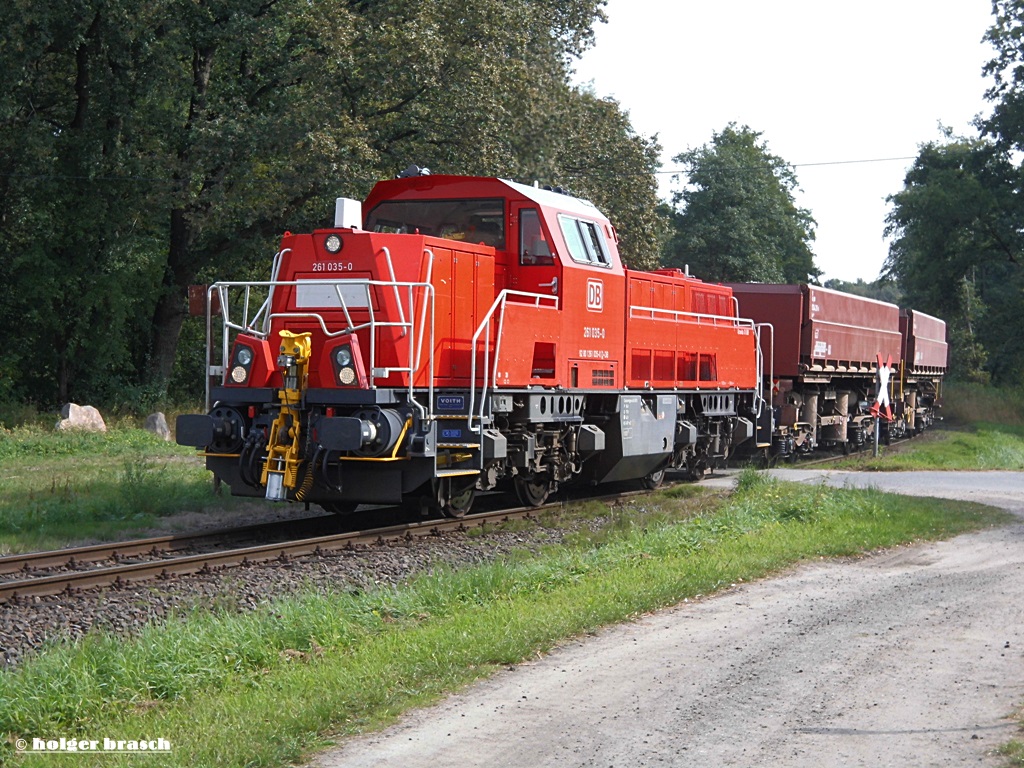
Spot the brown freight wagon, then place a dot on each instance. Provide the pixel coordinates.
(821, 359)
(925, 359)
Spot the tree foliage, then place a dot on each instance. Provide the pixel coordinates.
(956, 251)
(957, 223)
(738, 219)
(956, 212)
(602, 158)
(1006, 35)
(145, 146)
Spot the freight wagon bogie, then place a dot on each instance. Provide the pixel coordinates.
(470, 335)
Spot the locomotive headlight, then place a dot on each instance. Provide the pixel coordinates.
(332, 243)
(347, 364)
(344, 365)
(243, 360)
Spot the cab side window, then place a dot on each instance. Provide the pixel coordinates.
(533, 247)
(585, 241)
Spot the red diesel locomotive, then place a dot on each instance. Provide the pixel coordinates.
(469, 334)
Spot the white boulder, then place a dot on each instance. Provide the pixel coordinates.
(83, 417)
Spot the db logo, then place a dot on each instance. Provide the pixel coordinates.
(595, 295)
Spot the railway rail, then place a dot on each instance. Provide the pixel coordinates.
(71, 570)
(75, 558)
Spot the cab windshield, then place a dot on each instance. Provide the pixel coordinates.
(472, 221)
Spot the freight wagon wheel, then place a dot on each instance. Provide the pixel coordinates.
(532, 490)
(654, 480)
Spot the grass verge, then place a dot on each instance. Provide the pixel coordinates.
(984, 430)
(1013, 750)
(263, 688)
(63, 487)
(982, 446)
(964, 404)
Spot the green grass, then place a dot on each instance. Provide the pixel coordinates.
(266, 687)
(967, 404)
(982, 429)
(58, 488)
(984, 446)
(1013, 750)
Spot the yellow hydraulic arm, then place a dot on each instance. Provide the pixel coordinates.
(281, 469)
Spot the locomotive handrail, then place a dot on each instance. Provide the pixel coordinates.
(759, 398)
(391, 273)
(265, 306)
(485, 324)
(249, 325)
(426, 412)
(676, 315)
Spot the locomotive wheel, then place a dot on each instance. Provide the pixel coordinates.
(341, 508)
(532, 490)
(459, 502)
(654, 480)
(444, 496)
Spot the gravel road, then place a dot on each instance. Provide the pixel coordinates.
(911, 657)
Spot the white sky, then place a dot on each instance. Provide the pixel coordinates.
(823, 81)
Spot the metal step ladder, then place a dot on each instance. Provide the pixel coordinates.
(458, 447)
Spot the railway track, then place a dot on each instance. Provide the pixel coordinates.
(70, 570)
(833, 458)
(127, 562)
(75, 558)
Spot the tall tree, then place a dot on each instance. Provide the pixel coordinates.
(602, 158)
(955, 249)
(146, 145)
(72, 227)
(736, 219)
(1006, 123)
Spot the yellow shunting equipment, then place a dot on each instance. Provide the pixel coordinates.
(281, 469)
